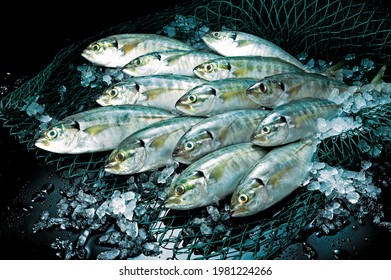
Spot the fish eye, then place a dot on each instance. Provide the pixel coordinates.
(120, 156)
(192, 98)
(189, 146)
(137, 62)
(208, 67)
(52, 134)
(282, 86)
(113, 93)
(216, 34)
(266, 129)
(179, 190)
(263, 88)
(243, 198)
(95, 47)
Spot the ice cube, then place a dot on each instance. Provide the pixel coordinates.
(166, 173)
(108, 255)
(350, 56)
(213, 212)
(128, 196)
(353, 197)
(102, 209)
(132, 230)
(205, 229)
(151, 249)
(62, 89)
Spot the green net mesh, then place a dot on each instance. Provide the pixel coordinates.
(328, 30)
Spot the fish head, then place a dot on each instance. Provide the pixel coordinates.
(119, 94)
(212, 70)
(220, 40)
(272, 131)
(60, 138)
(198, 101)
(249, 198)
(266, 92)
(143, 65)
(187, 192)
(102, 52)
(128, 158)
(193, 146)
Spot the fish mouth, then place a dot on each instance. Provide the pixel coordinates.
(42, 144)
(173, 203)
(102, 101)
(259, 139)
(114, 168)
(238, 211)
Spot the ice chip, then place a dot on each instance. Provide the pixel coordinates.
(205, 229)
(350, 56)
(213, 212)
(384, 132)
(151, 249)
(44, 118)
(302, 56)
(108, 255)
(353, 197)
(166, 173)
(132, 230)
(117, 205)
(102, 209)
(367, 64)
(62, 89)
(363, 146)
(128, 196)
(107, 79)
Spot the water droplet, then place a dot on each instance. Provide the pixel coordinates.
(309, 251)
(47, 188)
(366, 238)
(38, 197)
(341, 254)
(354, 227)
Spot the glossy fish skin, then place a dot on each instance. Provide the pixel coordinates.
(293, 121)
(117, 50)
(253, 67)
(236, 43)
(212, 177)
(273, 178)
(159, 91)
(149, 148)
(217, 131)
(282, 88)
(98, 129)
(215, 97)
(176, 62)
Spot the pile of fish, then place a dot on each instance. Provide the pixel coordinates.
(242, 117)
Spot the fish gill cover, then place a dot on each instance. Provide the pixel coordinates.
(127, 212)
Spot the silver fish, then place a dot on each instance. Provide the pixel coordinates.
(217, 131)
(273, 178)
(212, 177)
(293, 121)
(98, 129)
(117, 50)
(255, 67)
(149, 148)
(177, 62)
(236, 43)
(282, 88)
(160, 91)
(216, 97)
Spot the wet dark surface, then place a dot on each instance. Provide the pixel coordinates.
(24, 180)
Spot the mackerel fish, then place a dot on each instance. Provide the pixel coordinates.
(149, 148)
(160, 91)
(215, 97)
(117, 50)
(212, 177)
(273, 178)
(98, 129)
(176, 62)
(255, 67)
(217, 131)
(235, 43)
(279, 89)
(293, 121)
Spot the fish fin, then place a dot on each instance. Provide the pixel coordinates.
(218, 172)
(243, 43)
(172, 59)
(96, 129)
(224, 132)
(159, 141)
(153, 93)
(128, 47)
(332, 70)
(379, 76)
(295, 89)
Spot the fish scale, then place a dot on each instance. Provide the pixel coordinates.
(212, 177)
(293, 121)
(273, 178)
(217, 131)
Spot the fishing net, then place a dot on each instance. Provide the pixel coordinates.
(328, 31)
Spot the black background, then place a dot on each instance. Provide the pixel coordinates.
(30, 38)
